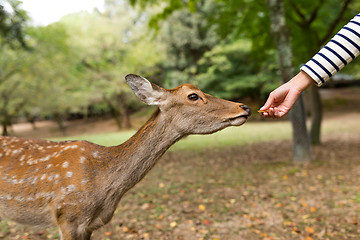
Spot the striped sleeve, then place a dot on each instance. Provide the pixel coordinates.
(338, 52)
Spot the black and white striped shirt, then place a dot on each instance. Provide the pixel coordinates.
(339, 51)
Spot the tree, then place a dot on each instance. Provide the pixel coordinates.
(110, 45)
(12, 50)
(11, 85)
(187, 36)
(281, 36)
(12, 24)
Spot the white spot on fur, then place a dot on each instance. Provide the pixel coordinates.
(35, 179)
(5, 197)
(65, 165)
(44, 159)
(30, 199)
(70, 188)
(82, 159)
(67, 190)
(96, 154)
(69, 174)
(51, 177)
(16, 151)
(19, 199)
(70, 147)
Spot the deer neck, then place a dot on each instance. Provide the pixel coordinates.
(140, 153)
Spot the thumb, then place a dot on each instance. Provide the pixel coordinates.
(268, 103)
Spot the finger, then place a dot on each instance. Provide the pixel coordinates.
(277, 113)
(268, 103)
(271, 112)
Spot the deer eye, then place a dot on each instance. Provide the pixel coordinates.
(193, 97)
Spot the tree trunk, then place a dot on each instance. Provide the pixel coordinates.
(114, 112)
(5, 131)
(126, 118)
(6, 123)
(60, 119)
(316, 115)
(281, 35)
(125, 111)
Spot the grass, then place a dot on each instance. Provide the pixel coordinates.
(249, 133)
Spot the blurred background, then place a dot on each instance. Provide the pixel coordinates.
(62, 68)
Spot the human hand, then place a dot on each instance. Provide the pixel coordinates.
(282, 99)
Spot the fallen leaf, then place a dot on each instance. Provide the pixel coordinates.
(309, 230)
(145, 206)
(173, 224)
(108, 233)
(206, 222)
(304, 204)
(202, 207)
(296, 230)
(288, 223)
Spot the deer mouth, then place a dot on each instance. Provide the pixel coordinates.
(240, 116)
(238, 120)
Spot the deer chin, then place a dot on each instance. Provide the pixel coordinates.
(239, 120)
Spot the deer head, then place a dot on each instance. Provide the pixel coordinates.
(189, 110)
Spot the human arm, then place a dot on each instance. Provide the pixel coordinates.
(337, 53)
(282, 99)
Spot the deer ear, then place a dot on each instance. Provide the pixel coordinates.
(146, 91)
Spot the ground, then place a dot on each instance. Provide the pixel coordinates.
(250, 192)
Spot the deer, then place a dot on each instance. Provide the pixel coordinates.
(77, 185)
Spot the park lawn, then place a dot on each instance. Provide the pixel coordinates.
(249, 133)
(239, 184)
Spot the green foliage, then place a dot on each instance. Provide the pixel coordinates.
(12, 23)
(52, 70)
(229, 71)
(313, 23)
(109, 46)
(187, 36)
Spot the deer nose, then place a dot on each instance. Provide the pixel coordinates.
(247, 109)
